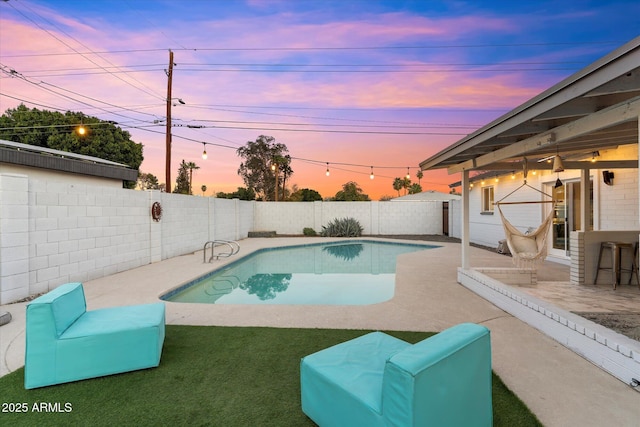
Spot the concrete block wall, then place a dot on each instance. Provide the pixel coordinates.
(58, 231)
(232, 218)
(361, 211)
(185, 224)
(285, 217)
(79, 232)
(420, 217)
(14, 237)
(619, 202)
(411, 217)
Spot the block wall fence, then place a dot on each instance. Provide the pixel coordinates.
(54, 232)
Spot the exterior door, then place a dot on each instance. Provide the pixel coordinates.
(566, 217)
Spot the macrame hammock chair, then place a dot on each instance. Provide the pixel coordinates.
(527, 249)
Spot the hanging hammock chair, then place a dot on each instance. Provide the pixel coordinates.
(527, 249)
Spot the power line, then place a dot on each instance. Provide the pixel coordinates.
(345, 48)
(81, 44)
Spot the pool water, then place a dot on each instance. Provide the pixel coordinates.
(340, 273)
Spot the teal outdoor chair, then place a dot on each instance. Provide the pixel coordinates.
(64, 342)
(379, 380)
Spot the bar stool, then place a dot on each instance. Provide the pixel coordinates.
(616, 268)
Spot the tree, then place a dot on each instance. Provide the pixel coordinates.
(415, 188)
(147, 181)
(419, 175)
(58, 131)
(183, 185)
(351, 193)
(305, 195)
(242, 194)
(397, 185)
(406, 182)
(204, 189)
(258, 158)
(191, 166)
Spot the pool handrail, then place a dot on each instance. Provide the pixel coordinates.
(232, 244)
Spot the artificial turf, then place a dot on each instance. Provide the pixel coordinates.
(208, 375)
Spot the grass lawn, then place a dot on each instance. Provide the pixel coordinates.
(208, 375)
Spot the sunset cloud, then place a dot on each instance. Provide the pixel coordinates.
(324, 66)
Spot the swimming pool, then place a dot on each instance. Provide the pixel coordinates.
(338, 273)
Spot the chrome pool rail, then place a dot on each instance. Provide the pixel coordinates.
(232, 245)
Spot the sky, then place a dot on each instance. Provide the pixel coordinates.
(352, 86)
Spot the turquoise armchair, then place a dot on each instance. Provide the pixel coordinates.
(64, 342)
(379, 380)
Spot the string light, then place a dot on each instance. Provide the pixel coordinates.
(327, 172)
(204, 153)
(371, 176)
(408, 174)
(513, 175)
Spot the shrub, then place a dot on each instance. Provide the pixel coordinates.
(342, 227)
(308, 231)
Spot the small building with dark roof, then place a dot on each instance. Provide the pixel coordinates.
(42, 162)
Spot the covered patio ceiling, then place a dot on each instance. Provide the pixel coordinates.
(593, 110)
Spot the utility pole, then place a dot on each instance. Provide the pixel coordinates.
(168, 132)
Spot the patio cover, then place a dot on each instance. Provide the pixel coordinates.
(595, 109)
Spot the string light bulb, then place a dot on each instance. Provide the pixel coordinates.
(513, 175)
(371, 176)
(327, 173)
(408, 174)
(204, 152)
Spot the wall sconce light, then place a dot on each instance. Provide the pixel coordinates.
(607, 177)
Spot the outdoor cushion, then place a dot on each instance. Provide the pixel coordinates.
(379, 380)
(66, 343)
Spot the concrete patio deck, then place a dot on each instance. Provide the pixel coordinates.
(559, 386)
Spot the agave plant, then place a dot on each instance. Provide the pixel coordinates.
(342, 227)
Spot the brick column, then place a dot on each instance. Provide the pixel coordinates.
(577, 270)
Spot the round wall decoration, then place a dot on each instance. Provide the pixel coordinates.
(156, 211)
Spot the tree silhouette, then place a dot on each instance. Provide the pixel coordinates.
(182, 180)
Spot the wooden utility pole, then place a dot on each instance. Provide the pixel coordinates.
(168, 132)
